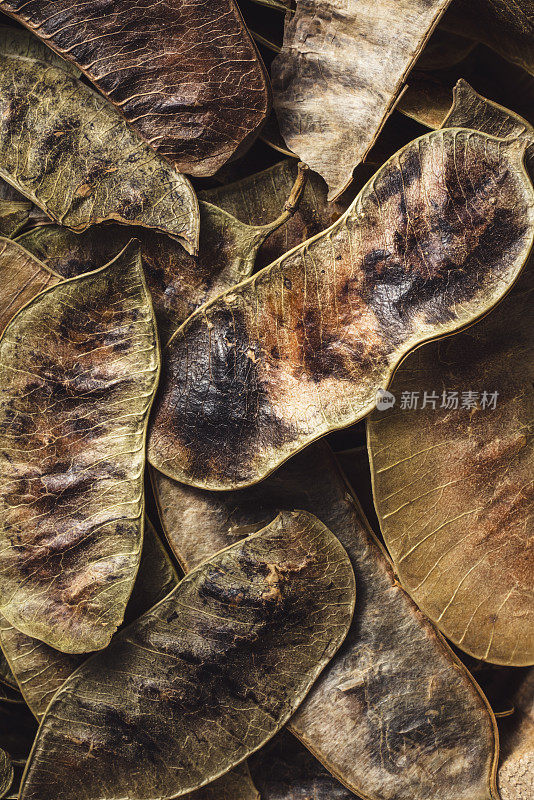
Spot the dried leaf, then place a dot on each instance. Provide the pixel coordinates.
(178, 282)
(225, 659)
(506, 27)
(394, 716)
(465, 108)
(235, 785)
(285, 770)
(342, 66)
(300, 349)
(257, 197)
(451, 486)
(13, 216)
(22, 277)
(6, 676)
(443, 50)
(516, 769)
(78, 369)
(40, 670)
(187, 76)
(67, 150)
(6, 773)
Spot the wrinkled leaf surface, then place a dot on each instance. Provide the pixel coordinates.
(218, 667)
(22, 276)
(394, 716)
(337, 78)
(185, 75)
(67, 150)
(78, 369)
(300, 349)
(40, 670)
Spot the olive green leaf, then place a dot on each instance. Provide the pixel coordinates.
(186, 76)
(259, 196)
(40, 670)
(78, 370)
(203, 679)
(285, 770)
(178, 282)
(67, 150)
(339, 74)
(506, 27)
(22, 277)
(13, 216)
(516, 768)
(6, 773)
(430, 244)
(394, 716)
(452, 484)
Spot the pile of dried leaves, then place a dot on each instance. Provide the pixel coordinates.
(207, 266)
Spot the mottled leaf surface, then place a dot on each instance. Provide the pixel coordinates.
(507, 27)
(394, 716)
(78, 369)
(178, 282)
(516, 768)
(40, 670)
(452, 486)
(217, 667)
(186, 75)
(67, 150)
(299, 349)
(23, 276)
(338, 76)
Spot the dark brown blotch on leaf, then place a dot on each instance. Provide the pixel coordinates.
(300, 349)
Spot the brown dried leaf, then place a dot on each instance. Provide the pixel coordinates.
(300, 349)
(40, 670)
(78, 369)
(342, 66)
(22, 277)
(67, 150)
(394, 716)
(186, 75)
(178, 282)
(218, 667)
(452, 487)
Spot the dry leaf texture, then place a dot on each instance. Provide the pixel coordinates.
(204, 678)
(186, 75)
(299, 349)
(78, 370)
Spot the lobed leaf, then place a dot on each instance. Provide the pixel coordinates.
(187, 76)
(413, 724)
(217, 667)
(300, 349)
(67, 150)
(78, 370)
(339, 74)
